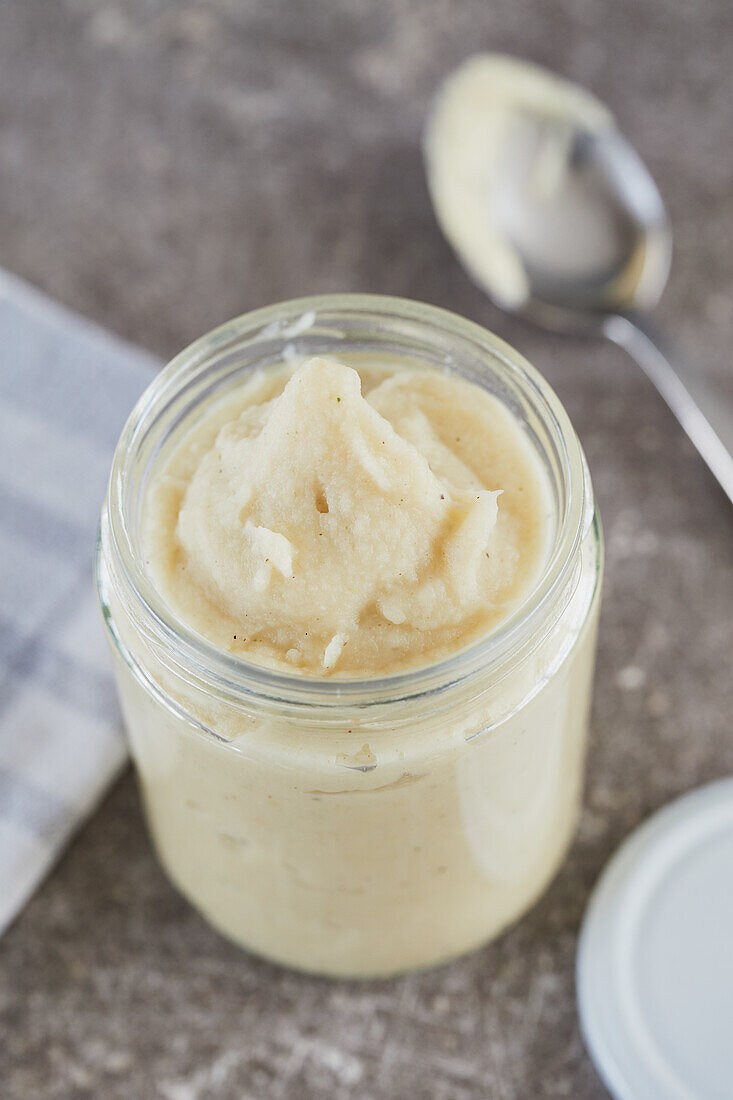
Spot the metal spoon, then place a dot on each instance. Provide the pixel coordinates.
(608, 202)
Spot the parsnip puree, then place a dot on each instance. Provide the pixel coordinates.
(498, 146)
(326, 522)
(336, 521)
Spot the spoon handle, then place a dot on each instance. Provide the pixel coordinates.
(705, 416)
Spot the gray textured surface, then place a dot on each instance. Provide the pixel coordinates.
(165, 166)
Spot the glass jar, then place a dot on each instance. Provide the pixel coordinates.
(342, 826)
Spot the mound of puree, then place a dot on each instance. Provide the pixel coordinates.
(352, 522)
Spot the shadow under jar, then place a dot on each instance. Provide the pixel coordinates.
(357, 827)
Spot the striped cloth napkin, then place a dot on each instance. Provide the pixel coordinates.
(66, 388)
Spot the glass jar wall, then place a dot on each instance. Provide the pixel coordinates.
(343, 826)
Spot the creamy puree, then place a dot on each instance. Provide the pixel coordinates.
(498, 145)
(340, 521)
(337, 524)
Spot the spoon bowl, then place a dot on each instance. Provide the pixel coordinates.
(555, 215)
(598, 245)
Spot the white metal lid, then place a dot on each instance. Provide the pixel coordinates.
(655, 958)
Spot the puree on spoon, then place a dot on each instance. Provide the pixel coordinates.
(332, 531)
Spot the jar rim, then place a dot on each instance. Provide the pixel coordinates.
(233, 675)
